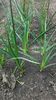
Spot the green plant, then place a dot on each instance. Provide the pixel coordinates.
(46, 46)
(46, 49)
(10, 47)
(1, 60)
(47, 52)
(24, 19)
(18, 27)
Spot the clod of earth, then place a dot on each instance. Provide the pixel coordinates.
(54, 87)
(10, 81)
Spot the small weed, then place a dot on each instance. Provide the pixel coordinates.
(2, 59)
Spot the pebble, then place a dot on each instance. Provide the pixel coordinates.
(54, 87)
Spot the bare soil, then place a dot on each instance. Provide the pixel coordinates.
(37, 85)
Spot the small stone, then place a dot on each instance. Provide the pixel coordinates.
(54, 87)
(31, 89)
(10, 95)
(51, 83)
(5, 80)
(47, 88)
(13, 81)
(11, 98)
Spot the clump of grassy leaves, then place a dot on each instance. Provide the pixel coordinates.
(18, 27)
(46, 47)
(24, 19)
(10, 47)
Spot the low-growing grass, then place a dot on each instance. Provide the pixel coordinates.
(18, 28)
